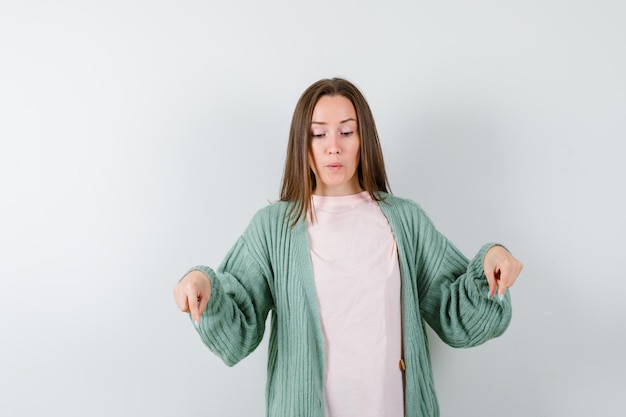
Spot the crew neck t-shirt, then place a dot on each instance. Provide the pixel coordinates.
(357, 279)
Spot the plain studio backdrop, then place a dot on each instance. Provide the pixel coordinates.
(138, 138)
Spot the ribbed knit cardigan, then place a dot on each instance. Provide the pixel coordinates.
(269, 270)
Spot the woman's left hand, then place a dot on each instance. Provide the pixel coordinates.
(501, 269)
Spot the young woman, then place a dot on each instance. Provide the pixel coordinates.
(350, 274)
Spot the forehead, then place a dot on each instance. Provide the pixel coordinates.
(333, 109)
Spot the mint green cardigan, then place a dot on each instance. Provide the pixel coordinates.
(268, 270)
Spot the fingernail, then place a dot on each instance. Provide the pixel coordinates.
(195, 323)
(501, 297)
(489, 294)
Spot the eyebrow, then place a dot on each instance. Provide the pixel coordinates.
(313, 122)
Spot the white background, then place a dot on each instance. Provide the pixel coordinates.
(139, 137)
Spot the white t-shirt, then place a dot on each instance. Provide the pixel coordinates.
(357, 279)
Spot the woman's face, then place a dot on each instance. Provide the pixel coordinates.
(335, 145)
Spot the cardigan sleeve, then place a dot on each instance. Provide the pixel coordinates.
(233, 322)
(454, 292)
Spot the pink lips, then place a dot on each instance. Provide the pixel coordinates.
(334, 166)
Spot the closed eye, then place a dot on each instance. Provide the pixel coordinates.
(346, 133)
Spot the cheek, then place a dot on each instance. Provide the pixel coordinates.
(316, 153)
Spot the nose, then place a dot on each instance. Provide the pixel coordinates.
(333, 145)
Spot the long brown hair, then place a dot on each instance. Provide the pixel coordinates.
(298, 181)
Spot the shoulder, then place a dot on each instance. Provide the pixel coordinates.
(406, 216)
(403, 207)
(410, 223)
(273, 218)
(273, 212)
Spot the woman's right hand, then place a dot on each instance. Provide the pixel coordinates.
(192, 294)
